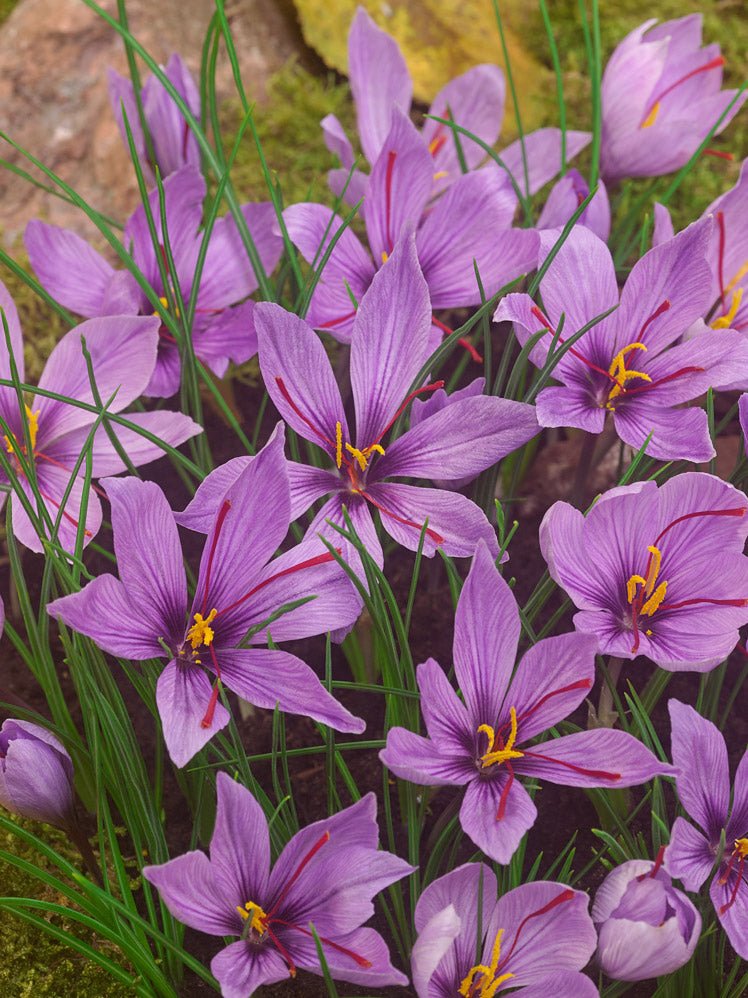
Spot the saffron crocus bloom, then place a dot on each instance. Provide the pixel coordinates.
(482, 744)
(566, 195)
(661, 97)
(641, 569)
(703, 782)
(36, 774)
(646, 927)
(326, 876)
(536, 937)
(123, 352)
(626, 365)
(238, 588)
(173, 143)
(471, 225)
(82, 280)
(390, 346)
(381, 83)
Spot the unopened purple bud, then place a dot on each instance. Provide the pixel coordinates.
(646, 927)
(36, 774)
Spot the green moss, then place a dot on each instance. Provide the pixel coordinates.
(6, 6)
(33, 964)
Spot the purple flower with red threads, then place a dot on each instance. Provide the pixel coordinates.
(172, 141)
(566, 195)
(122, 351)
(703, 783)
(537, 937)
(487, 742)
(81, 279)
(647, 928)
(626, 366)
(239, 588)
(656, 571)
(325, 877)
(389, 348)
(382, 86)
(661, 96)
(469, 226)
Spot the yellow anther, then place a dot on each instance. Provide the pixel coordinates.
(654, 569)
(621, 373)
(435, 144)
(338, 444)
(165, 304)
(258, 916)
(493, 756)
(488, 983)
(738, 277)
(725, 321)
(364, 456)
(441, 174)
(385, 256)
(201, 633)
(32, 418)
(652, 116)
(655, 600)
(634, 581)
(741, 847)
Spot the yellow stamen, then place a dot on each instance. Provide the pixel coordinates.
(201, 633)
(654, 569)
(652, 116)
(634, 581)
(725, 321)
(255, 912)
(165, 303)
(655, 600)
(489, 983)
(738, 277)
(363, 456)
(435, 144)
(493, 756)
(621, 373)
(32, 418)
(385, 256)
(741, 847)
(338, 444)
(441, 174)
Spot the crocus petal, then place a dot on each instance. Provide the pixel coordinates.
(337, 140)
(240, 845)
(349, 185)
(732, 914)
(167, 374)
(183, 695)
(700, 756)
(431, 947)
(8, 397)
(663, 225)
(487, 629)
(455, 523)
(229, 335)
(362, 523)
(390, 341)
(552, 679)
(688, 857)
(242, 968)
(542, 153)
(53, 484)
(633, 950)
(228, 275)
(399, 187)
(738, 822)
(562, 406)
(674, 434)
(34, 782)
(420, 760)
(68, 268)
(268, 677)
(292, 353)
(469, 227)
(348, 269)
(447, 720)
(365, 943)
(379, 81)
(189, 887)
(565, 197)
(600, 758)
(123, 354)
(308, 484)
(562, 984)
(174, 144)
(497, 838)
(461, 440)
(200, 513)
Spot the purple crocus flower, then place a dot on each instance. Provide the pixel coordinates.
(641, 569)
(239, 587)
(482, 744)
(381, 85)
(123, 353)
(326, 876)
(626, 365)
(647, 928)
(536, 937)
(566, 195)
(82, 280)
(390, 346)
(174, 144)
(703, 782)
(661, 97)
(469, 225)
(36, 774)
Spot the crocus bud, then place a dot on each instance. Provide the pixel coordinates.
(646, 927)
(36, 774)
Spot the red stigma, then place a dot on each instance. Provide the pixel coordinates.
(436, 538)
(462, 341)
(391, 157)
(659, 859)
(721, 257)
(561, 898)
(720, 154)
(220, 519)
(207, 720)
(738, 880)
(715, 63)
(660, 310)
(331, 323)
(305, 419)
(597, 774)
(572, 350)
(434, 386)
(731, 511)
(320, 559)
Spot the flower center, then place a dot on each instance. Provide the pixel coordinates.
(654, 106)
(32, 419)
(362, 457)
(201, 633)
(499, 751)
(735, 864)
(483, 981)
(254, 916)
(621, 374)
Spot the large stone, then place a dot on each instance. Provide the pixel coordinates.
(54, 56)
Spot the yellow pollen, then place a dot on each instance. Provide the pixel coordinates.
(255, 912)
(655, 600)
(741, 847)
(441, 174)
(619, 371)
(364, 456)
(165, 303)
(338, 444)
(493, 756)
(32, 418)
(435, 144)
(655, 596)
(201, 633)
(725, 321)
(385, 256)
(634, 581)
(488, 982)
(652, 116)
(654, 568)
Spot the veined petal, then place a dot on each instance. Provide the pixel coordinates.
(200, 513)
(430, 949)
(191, 891)
(700, 756)
(688, 857)
(53, 483)
(240, 844)
(183, 695)
(241, 969)
(228, 275)
(542, 153)
(498, 838)
(68, 268)
(422, 761)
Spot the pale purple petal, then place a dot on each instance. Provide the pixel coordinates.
(700, 755)
(430, 949)
(309, 484)
(604, 757)
(732, 913)
(240, 845)
(191, 891)
(676, 434)
(228, 275)
(183, 695)
(200, 513)
(689, 857)
(663, 225)
(543, 156)
(53, 483)
(337, 140)
(68, 268)
(562, 984)
(497, 838)
(242, 968)
(420, 760)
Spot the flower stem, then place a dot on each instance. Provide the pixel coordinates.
(584, 466)
(79, 839)
(606, 716)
